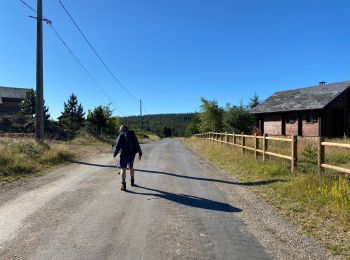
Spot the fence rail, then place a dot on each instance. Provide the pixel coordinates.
(231, 139)
(321, 157)
(223, 138)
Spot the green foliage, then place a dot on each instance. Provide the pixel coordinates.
(238, 119)
(254, 101)
(309, 154)
(113, 124)
(215, 118)
(72, 117)
(27, 106)
(156, 123)
(193, 127)
(211, 116)
(100, 121)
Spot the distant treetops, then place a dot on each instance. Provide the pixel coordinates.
(232, 118)
(72, 120)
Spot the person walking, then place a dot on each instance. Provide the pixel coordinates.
(128, 146)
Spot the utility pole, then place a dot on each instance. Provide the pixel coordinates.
(39, 104)
(140, 114)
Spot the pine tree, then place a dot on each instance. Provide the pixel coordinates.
(254, 101)
(27, 106)
(97, 119)
(72, 117)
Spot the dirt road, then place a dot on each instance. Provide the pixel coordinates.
(175, 212)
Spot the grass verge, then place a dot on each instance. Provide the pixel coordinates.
(319, 205)
(23, 157)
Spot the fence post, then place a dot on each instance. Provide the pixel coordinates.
(255, 146)
(294, 147)
(320, 158)
(264, 147)
(234, 139)
(243, 143)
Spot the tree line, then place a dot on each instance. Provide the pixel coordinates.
(164, 125)
(72, 121)
(231, 118)
(100, 121)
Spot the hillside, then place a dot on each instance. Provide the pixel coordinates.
(164, 125)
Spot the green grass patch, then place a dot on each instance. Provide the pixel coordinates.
(320, 205)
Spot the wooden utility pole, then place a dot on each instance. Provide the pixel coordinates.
(39, 102)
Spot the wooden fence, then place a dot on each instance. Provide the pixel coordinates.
(231, 139)
(321, 156)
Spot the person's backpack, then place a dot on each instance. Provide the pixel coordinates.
(131, 143)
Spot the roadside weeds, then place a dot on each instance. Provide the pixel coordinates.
(319, 205)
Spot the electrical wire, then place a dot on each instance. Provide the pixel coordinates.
(27, 5)
(79, 63)
(86, 71)
(96, 53)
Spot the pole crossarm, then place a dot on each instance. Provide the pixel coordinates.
(49, 22)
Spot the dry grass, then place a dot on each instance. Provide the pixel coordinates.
(20, 157)
(320, 205)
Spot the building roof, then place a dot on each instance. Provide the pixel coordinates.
(310, 98)
(15, 93)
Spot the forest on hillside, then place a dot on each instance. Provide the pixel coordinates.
(164, 125)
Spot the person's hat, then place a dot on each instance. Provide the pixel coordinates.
(123, 128)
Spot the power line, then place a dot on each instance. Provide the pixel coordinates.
(27, 5)
(90, 76)
(83, 67)
(96, 53)
(77, 60)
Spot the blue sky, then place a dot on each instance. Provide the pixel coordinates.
(172, 52)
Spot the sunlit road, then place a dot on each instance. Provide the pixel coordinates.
(175, 212)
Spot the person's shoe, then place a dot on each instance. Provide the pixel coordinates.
(132, 182)
(123, 186)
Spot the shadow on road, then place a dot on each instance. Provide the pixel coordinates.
(251, 183)
(96, 165)
(187, 200)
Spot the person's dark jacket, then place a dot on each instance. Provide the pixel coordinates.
(120, 145)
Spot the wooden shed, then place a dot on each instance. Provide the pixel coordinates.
(10, 100)
(322, 110)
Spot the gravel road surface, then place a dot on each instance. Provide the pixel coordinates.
(182, 208)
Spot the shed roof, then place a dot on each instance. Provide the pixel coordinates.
(310, 98)
(16, 93)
